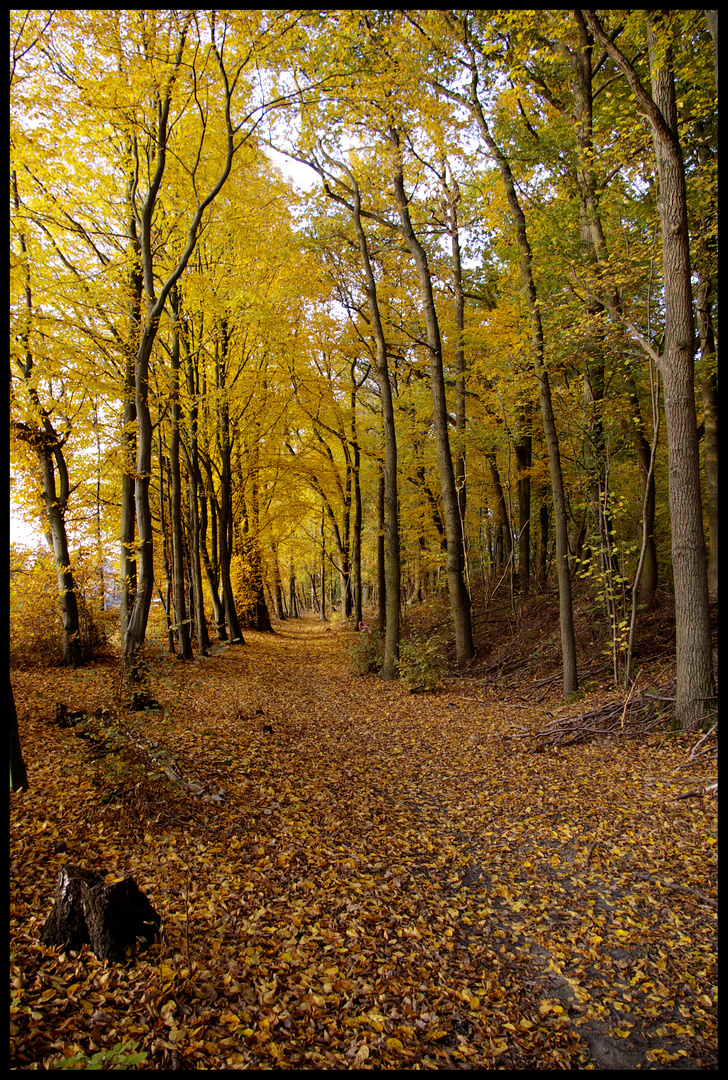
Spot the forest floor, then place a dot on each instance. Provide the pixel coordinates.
(392, 880)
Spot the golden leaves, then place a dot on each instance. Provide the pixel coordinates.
(381, 890)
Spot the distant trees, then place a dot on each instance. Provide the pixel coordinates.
(492, 230)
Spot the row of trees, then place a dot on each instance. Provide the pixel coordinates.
(513, 214)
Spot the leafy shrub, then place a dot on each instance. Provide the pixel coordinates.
(121, 1056)
(422, 662)
(366, 650)
(36, 630)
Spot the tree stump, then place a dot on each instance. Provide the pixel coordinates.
(109, 918)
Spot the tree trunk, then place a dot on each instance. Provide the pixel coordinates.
(695, 687)
(381, 575)
(56, 511)
(566, 615)
(458, 593)
(322, 570)
(166, 600)
(356, 532)
(695, 682)
(392, 582)
(709, 380)
(523, 459)
(128, 565)
(137, 625)
(277, 589)
(203, 640)
(225, 507)
(178, 575)
(292, 599)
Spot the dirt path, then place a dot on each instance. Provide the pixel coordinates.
(392, 883)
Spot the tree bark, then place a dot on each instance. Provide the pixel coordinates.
(225, 507)
(566, 615)
(128, 438)
(392, 574)
(457, 590)
(178, 576)
(195, 480)
(695, 682)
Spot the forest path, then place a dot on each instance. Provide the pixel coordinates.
(392, 882)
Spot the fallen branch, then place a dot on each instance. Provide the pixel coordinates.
(635, 718)
(678, 888)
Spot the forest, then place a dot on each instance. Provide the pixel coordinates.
(364, 404)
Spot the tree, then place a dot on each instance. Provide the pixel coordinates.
(457, 590)
(695, 685)
(40, 434)
(471, 100)
(344, 188)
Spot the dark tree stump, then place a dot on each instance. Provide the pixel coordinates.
(109, 918)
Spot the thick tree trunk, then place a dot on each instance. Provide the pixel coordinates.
(56, 510)
(695, 682)
(695, 685)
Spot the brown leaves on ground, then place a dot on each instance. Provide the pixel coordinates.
(390, 883)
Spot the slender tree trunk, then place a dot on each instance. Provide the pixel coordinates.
(502, 505)
(277, 589)
(453, 197)
(128, 556)
(178, 575)
(390, 595)
(203, 640)
(292, 600)
(356, 536)
(458, 593)
(566, 615)
(167, 598)
(381, 574)
(523, 460)
(709, 379)
(260, 614)
(225, 507)
(322, 568)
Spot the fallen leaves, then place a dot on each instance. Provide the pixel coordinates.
(388, 884)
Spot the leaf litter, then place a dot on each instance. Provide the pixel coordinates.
(385, 880)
